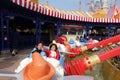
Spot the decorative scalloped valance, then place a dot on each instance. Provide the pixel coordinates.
(63, 14)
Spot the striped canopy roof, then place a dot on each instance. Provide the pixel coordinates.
(77, 15)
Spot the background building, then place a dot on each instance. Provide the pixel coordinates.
(97, 5)
(104, 4)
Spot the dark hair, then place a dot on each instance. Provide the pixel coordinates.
(39, 43)
(39, 51)
(34, 51)
(53, 45)
(81, 36)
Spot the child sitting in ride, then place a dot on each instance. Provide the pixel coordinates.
(56, 58)
(53, 52)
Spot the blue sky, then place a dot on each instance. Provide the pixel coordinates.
(71, 4)
(65, 4)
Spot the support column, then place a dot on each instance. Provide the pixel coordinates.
(37, 30)
(109, 31)
(57, 30)
(60, 29)
(2, 30)
(0, 33)
(87, 30)
(40, 30)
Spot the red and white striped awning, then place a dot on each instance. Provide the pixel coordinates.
(60, 14)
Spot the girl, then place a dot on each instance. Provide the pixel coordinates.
(52, 52)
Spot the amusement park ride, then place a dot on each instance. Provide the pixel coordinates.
(39, 68)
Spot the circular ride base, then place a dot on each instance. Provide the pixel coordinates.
(110, 72)
(75, 77)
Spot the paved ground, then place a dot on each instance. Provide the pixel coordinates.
(10, 63)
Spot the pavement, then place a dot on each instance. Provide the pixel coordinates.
(10, 63)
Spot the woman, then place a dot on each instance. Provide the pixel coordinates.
(28, 59)
(38, 48)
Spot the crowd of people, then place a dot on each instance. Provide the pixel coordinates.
(82, 41)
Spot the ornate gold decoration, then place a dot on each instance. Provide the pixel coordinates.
(92, 60)
(110, 43)
(101, 46)
(84, 48)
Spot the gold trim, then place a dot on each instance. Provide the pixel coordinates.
(101, 46)
(110, 43)
(92, 60)
(84, 48)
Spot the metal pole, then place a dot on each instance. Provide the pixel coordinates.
(61, 28)
(39, 30)
(116, 2)
(57, 30)
(46, 2)
(109, 31)
(80, 5)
